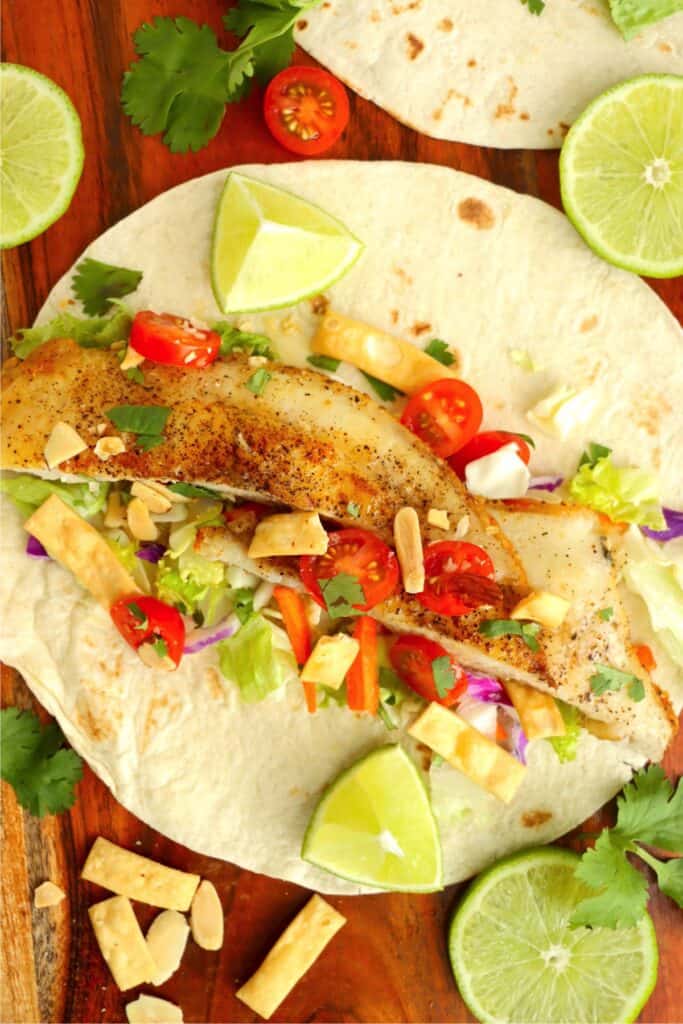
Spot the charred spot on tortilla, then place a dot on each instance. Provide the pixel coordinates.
(563, 128)
(477, 213)
(446, 25)
(419, 327)
(302, 25)
(524, 116)
(507, 108)
(532, 819)
(588, 324)
(471, 63)
(415, 46)
(394, 316)
(320, 304)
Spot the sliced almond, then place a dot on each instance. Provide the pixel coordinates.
(62, 444)
(166, 940)
(462, 528)
(154, 501)
(151, 659)
(408, 541)
(131, 359)
(152, 1010)
(140, 522)
(438, 517)
(206, 917)
(116, 512)
(48, 895)
(108, 446)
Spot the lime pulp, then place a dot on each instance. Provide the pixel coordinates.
(516, 958)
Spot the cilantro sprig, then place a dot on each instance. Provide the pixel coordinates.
(608, 678)
(341, 594)
(147, 421)
(235, 340)
(528, 631)
(33, 760)
(440, 351)
(535, 6)
(183, 80)
(650, 812)
(96, 284)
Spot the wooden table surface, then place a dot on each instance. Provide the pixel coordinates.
(390, 962)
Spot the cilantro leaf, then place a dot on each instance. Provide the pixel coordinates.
(324, 363)
(88, 332)
(243, 603)
(651, 812)
(670, 879)
(444, 675)
(593, 454)
(606, 614)
(535, 6)
(42, 774)
(341, 594)
(268, 29)
(135, 374)
(147, 420)
(566, 746)
(160, 647)
(382, 389)
(232, 338)
(96, 283)
(180, 85)
(512, 627)
(354, 510)
(192, 490)
(608, 678)
(440, 351)
(622, 899)
(258, 381)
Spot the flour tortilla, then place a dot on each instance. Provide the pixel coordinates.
(447, 255)
(489, 72)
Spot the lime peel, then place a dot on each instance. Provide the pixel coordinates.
(272, 249)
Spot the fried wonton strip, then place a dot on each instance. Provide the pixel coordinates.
(538, 712)
(382, 355)
(466, 749)
(122, 943)
(79, 547)
(293, 954)
(131, 875)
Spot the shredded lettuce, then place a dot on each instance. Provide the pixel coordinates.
(657, 577)
(255, 660)
(624, 493)
(89, 332)
(565, 746)
(194, 584)
(29, 492)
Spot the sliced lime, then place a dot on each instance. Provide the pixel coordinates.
(515, 958)
(621, 174)
(41, 153)
(272, 249)
(375, 826)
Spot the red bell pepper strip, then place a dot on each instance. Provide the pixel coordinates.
(645, 656)
(293, 611)
(362, 679)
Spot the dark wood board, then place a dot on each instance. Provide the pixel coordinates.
(390, 962)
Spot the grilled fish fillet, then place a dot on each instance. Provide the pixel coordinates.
(309, 443)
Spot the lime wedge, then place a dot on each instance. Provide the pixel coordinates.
(515, 958)
(375, 826)
(272, 249)
(621, 174)
(41, 153)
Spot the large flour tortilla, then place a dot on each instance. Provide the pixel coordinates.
(447, 255)
(485, 72)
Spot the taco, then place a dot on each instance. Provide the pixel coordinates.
(490, 74)
(249, 501)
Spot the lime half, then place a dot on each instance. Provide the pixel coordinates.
(621, 174)
(272, 249)
(41, 153)
(375, 826)
(515, 958)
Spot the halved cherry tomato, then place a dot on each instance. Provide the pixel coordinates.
(298, 629)
(412, 658)
(362, 679)
(140, 619)
(458, 578)
(445, 414)
(485, 444)
(306, 109)
(173, 340)
(242, 518)
(357, 553)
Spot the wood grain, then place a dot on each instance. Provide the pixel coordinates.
(390, 962)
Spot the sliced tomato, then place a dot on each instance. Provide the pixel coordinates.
(242, 518)
(445, 414)
(413, 660)
(173, 340)
(306, 109)
(362, 679)
(485, 444)
(140, 619)
(458, 578)
(358, 553)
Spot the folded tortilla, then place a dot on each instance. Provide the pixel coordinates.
(181, 750)
(487, 73)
